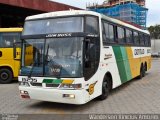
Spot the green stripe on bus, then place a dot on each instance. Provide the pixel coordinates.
(57, 81)
(54, 81)
(122, 63)
(48, 81)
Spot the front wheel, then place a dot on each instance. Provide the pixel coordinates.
(5, 76)
(105, 89)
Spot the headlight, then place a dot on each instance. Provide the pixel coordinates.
(25, 84)
(71, 86)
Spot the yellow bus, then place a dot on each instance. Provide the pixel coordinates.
(9, 54)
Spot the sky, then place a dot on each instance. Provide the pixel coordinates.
(153, 16)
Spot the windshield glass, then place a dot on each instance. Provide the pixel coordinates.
(57, 57)
(55, 25)
(32, 60)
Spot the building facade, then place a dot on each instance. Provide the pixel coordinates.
(110, 3)
(132, 11)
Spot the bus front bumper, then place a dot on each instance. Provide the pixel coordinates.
(55, 95)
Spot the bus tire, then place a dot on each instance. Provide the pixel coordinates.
(142, 72)
(6, 76)
(145, 66)
(105, 88)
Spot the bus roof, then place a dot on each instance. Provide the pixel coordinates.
(84, 12)
(11, 29)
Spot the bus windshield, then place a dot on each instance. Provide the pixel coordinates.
(54, 57)
(55, 25)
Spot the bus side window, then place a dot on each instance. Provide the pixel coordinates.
(1, 41)
(129, 36)
(136, 38)
(141, 39)
(109, 33)
(121, 35)
(145, 40)
(10, 38)
(103, 34)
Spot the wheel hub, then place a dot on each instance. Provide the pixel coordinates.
(4, 76)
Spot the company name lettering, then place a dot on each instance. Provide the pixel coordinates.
(60, 35)
(138, 51)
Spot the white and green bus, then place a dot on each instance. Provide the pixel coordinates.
(80, 55)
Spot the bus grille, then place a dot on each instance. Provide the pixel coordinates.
(37, 84)
(52, 85)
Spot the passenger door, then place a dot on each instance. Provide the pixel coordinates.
(91, 57)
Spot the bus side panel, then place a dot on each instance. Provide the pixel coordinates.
(7, 58)
(108, 65)
(122, 63)
(133, 62)
(136, 58)
(129, 61)
(144, 55)
(7, 53)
